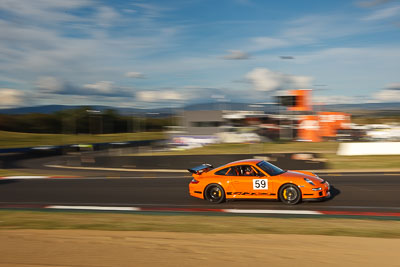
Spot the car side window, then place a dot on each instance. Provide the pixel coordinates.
(249, 171)
(232, 172)
(222, 172)
(245, 170)
(258, 172)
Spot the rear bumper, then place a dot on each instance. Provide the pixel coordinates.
(195, 191)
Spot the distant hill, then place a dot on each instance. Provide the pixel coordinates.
(160, 112)
(222, 106)
(365, 106)
(48, 109)
(271, 108)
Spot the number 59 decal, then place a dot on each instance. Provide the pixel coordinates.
(260, 184)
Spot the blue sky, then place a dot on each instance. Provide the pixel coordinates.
(168, 53)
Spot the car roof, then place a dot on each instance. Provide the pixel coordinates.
(238, 162)
(244, 161)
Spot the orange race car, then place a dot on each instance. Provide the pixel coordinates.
(255, 179)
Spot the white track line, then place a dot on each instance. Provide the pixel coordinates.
(93, 208)
(292, 212)
(25, 177)
(116, 169)
(237, 211)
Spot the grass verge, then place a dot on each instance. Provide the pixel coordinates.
(362, 162)
(258, 148)
(325, 149)
(5, 172)
(13, 140)
(198, 224)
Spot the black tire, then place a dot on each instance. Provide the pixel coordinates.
(290, 194)
(214, 193)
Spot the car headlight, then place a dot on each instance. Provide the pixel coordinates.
(309, 181)
(316, 189)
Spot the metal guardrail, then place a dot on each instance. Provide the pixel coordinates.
(78, 147)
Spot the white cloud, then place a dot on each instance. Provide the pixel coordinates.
(171, 95)
(384, 13)
(103, 87)
(79, 50)
(49, 84)
(266, 80)
(10, 97)
(387, 95)
(134, 74)
(106, 16)
(54, 86)
(146, 96)
(157, 96)
(309, 30)
(42, 11)
(334, 99)
(150, 11)
(372, 3)
(265, 43)
(128, 10)
(393, 86)
(314, 29)
(236, 55)
(300, 82)
(48, 38)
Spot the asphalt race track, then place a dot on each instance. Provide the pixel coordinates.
(366, 192)
(351, 192)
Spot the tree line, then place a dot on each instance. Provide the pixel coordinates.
(82, 121)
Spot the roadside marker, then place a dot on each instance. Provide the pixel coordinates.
(23, 177)
(92, 208)
(292, 212)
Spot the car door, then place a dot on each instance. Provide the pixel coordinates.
(262, 184)
(250, 185)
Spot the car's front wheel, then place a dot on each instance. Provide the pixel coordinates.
(290, 194)
(214, 193)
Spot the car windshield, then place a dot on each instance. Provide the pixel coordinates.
(270, 168)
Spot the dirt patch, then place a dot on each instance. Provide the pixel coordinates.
(48, 220)
(84, 248)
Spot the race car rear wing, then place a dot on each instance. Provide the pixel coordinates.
(200, 169)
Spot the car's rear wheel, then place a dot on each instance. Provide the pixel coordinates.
(214, 193)
(290, 194)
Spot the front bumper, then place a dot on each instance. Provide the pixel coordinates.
(327, 196)
(319, 195)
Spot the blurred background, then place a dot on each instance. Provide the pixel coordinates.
(201, 76)
(324, 135)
